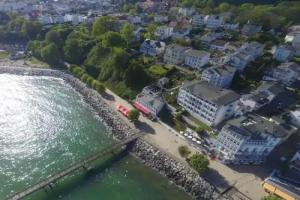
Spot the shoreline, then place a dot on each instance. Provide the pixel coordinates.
(183, 177)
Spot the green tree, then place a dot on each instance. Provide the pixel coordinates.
(127, 33)
(184, 151)
(35, 48)
(271, 197)
(50, 54)
(102, 25)
(84, 77)
(150, 30)
(224, 7)
(198, 162)
(98, 86)
(113, 39)
(31, 29)
(73, 52)
(54, 37)
(199, 129)
(135, 76)
(133, 115)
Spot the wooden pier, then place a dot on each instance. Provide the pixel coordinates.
(81, 164)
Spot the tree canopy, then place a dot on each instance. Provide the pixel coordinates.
(50, 54)
(199, 162)
(133, 115)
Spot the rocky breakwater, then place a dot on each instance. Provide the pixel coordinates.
(182, 176)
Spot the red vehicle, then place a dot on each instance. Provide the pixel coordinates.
(123, 110)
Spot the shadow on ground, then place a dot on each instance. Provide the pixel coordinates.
(216, 179)
(144, 127)
(107, 96)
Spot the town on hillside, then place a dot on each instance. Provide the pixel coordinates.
(221, 75)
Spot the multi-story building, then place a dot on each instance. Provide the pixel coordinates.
(206, 102)
(219, 45)
(262, 96)
(247, 52)
(175, 54)
(220, 76)
(285, 184)
(152, 47)
(196, 59)
(164, 32)
(250, 29)
(283, 53)
(161, 18)
(250, 139)
(213, 21)
(198, 20)
(150, 101)
(286, 73)
(187, 12)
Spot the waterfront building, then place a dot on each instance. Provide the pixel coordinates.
(208, 103)
(249, 139)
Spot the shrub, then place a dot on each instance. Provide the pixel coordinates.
(184, 151)
(89, 81)
(84, 77)
(133, 115)
(198, 162)
(98, 86)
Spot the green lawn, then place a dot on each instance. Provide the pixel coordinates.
(35, 61)
(158, 71)
(3, 55)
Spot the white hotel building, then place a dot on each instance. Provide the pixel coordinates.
(208, 103)
(250, 139)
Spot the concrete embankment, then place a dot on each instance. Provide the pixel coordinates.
(180, 175)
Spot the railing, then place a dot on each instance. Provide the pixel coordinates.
(81, 164)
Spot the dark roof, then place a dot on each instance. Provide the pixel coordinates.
(287, 185)
(214, 94)
(273, 87)
(253, 125)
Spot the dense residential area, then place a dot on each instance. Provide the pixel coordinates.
(221, 75)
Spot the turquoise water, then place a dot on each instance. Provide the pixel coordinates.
(45, 126)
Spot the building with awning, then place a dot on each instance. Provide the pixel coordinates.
(285, 185)
(149, 101)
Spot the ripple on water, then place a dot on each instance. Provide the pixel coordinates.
(45, 126)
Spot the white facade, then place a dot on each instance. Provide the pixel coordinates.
(187, 12)
(219, 45)
(295, 117)
(164, 32)
(206, 102)
(196, 59)
(175, 54)
(220, 76)
(198, 20)
(213, 21)
(294, 39)
(161, 18)
(152, 47)
(246, 53)
(249, 139)
(135, 19)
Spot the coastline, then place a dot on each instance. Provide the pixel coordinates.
(175, 171)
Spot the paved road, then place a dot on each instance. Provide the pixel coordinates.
(219, 174)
